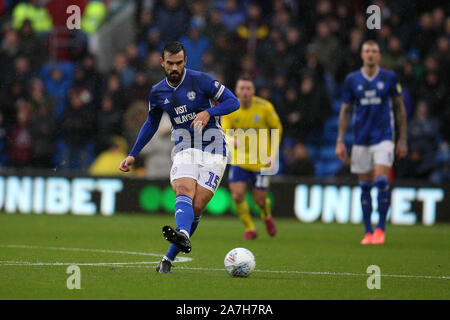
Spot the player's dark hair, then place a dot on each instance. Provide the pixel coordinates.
(173, 47)
(370, 43)
(245, 77)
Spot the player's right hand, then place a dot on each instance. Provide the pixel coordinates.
(126, 164)
(341, 152)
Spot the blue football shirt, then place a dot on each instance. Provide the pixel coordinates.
(372, 99)
(196, 92)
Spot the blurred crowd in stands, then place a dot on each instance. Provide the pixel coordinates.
(71, 116)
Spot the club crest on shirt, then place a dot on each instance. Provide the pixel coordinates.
(380, 85)
(256, 118)
(360, 87)
(191, 95)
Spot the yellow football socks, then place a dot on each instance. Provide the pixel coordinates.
(266, 212)
(243, 213)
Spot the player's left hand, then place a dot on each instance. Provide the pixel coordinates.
(203, 118)
(401, 149)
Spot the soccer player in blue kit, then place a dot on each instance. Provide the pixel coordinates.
(374, 92)
(200, 153)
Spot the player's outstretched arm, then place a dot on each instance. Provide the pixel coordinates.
(344, 119)
(147, 132)
(228, 104)
(400, 111)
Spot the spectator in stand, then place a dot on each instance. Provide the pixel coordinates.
(279, 89)
(232, 15)
(426, 36)
(423, 130)
(13, 93)
(282, 20)
(20, 137)
(38, 96)
(153, 68)
(9, 51)
(394, 58)
(145, 23)
(92, 78)
(351, 59)
(31, 46)
(77, 132)
(198, 13)
(109, 124)
(314, 105)
(422, 138)
(298, 161)
(253, 30)
(442, 55)
(116, 91)
(172, 19)
(123, 69)
(153, 42)
(106, 162)
(327, 48)
(215, 28)
(441, 175)
(132, 55)
(140, 88)
(434, 92)
(80, 84)
(210, 65)
(57, 79)
(22, 72)
(196, 45)
(43, 129)
(3, 142)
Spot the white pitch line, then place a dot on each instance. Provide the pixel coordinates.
(100, 264)
(184, 259)
(319, 273)
(178, 259)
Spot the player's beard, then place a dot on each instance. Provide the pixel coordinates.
(174, 77)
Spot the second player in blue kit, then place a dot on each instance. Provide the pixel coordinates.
(372, 97)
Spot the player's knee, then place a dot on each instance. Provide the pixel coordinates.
(366, 185)
(260, 201)
(183, 189)
(238, 197)
(382, 183)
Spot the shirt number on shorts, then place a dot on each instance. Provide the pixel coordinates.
(213, 180)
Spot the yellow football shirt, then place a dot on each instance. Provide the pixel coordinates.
(252, 129)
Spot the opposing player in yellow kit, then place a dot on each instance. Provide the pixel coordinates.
(255, 147)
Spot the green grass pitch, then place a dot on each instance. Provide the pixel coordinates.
(117, 256)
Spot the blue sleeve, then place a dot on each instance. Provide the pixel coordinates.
(347, 96)
(212, 88)
(228, 104)
(218, 92)
(149, 127)
(396, 89)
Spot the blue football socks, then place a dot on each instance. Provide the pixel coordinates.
(366, 204)
(184, 212)
(384, 199)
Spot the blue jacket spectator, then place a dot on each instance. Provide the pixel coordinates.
(233, 15)
(196, 45)
(58, 79)
(172, 19)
